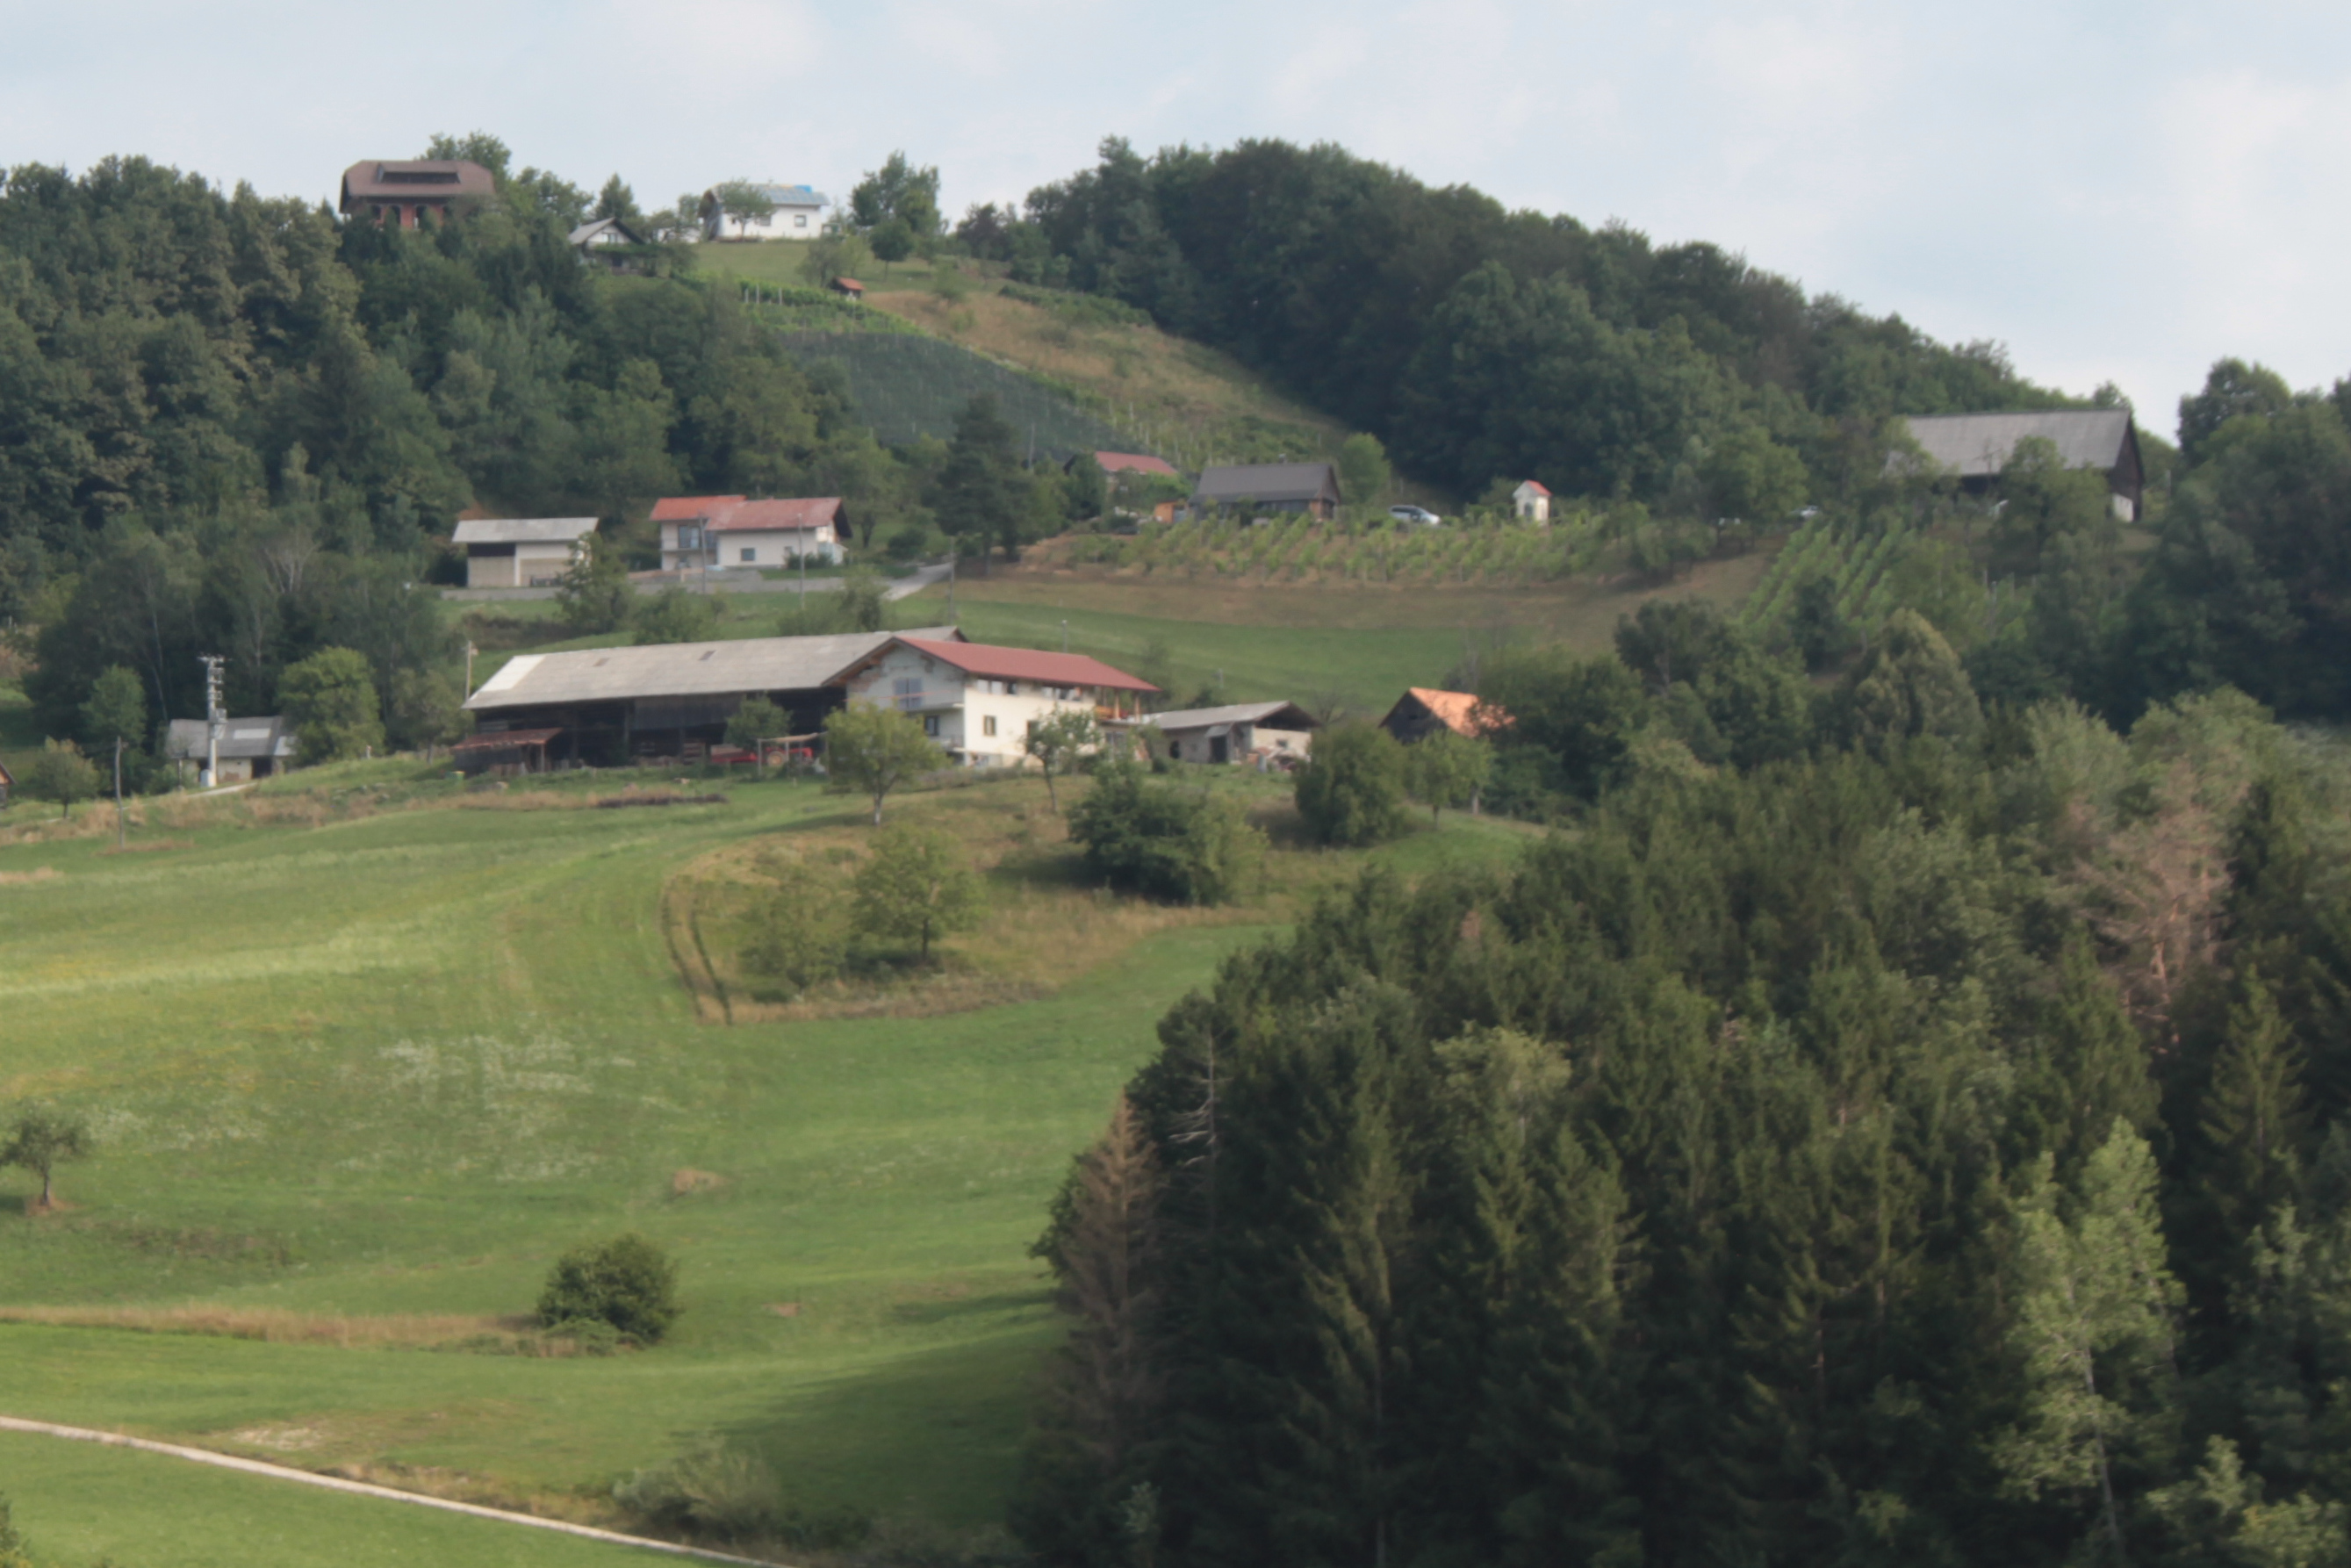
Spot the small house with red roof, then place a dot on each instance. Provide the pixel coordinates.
(979, 701)
(1531, 502)
(712, 533)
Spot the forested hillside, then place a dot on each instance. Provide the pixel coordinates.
(232, 424)
(1927, 1149)
(1481, 343)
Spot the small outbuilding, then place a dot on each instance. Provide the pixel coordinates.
(250, 748)
(849, 287)
(1262, 488)
(1424, 710)
(521, 552)
(1262, 733)
(1531, 502)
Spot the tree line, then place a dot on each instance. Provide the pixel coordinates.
(1923, 1144)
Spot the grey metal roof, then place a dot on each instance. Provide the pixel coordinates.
(1235, 713)
(522, 530)
(1976, 445)
(1270, 482)
(185, 741)
(680, 669)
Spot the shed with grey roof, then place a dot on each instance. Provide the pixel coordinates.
(520, 552)
(249, 747)
(1264, 733)
(668, 699)
(1269, 487)
(1977, 446)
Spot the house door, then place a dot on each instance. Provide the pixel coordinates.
(1221, 749)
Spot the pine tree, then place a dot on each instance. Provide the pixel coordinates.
(2253, 1119)
(2093, 1327)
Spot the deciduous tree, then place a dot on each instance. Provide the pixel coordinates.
(872, 750)
(917, 885)
(40, 1140)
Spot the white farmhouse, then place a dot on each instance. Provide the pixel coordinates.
(978, 701)
(802, 212)
(521, 552)
(711, 533)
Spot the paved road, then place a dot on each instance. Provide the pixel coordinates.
(921, 578)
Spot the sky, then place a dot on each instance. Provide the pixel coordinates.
(2115, 193)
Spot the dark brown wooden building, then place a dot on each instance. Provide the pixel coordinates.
(403, 192)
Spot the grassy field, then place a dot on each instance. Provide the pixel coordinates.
(78, 1503)
(363, 1054)
(1360, 644)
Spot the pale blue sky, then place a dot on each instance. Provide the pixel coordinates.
(2114, 192)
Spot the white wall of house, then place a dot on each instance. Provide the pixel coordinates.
(984, 722)
(724, 549)
(1243, 742)
(756, 548)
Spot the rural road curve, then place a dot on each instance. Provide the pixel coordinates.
(363, 1488)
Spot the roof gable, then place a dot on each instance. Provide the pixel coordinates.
(1270, 482)
(1272, 715)
(522, 530)
(1460, 712)
(755, 516)
(678, 670)
(1978, 446)
(992, 661)
(691, 509)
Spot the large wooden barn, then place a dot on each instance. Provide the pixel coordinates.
(609, 706)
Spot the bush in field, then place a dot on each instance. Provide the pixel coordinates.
(918, 886)
(1352, 791)
(1165, 841)
(329, 699)
(797, 941)
(676, 615)
(59, 772)
(627, 1283)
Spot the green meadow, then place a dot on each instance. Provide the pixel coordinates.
(364, 1054)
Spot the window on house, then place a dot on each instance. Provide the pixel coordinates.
(750, 554)
(800, 220)
(689, 536)
(931, 726)
(987, 724)
(906, 692)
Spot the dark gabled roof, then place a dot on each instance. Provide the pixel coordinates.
(588, 231)
(1978, 446)
(415, 180)
(1269, 482)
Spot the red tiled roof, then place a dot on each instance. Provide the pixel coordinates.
(1536, 485)
(848, 285)
(689, 508)
(1133, 462)
(1028, 664)
(1460, 712)
(766, 517)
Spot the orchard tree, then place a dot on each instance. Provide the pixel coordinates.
(1352, 792)
(59, 772)
(1444, 768)
(872, 750)
(116, 710)
(1057, 743)
(40, 1141)
(918, 885)
(745, 204)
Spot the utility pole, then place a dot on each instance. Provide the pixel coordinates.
(1065, 633)
(953, 619)
(118, 791)
(470, 652)
(216, 719)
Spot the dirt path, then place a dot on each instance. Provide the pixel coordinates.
(363, 1488)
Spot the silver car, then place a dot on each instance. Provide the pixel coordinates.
(1419, 515)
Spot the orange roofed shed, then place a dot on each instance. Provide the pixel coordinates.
(1424, 710)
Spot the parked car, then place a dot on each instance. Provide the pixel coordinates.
(1421, 516)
